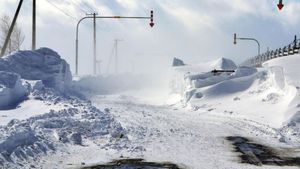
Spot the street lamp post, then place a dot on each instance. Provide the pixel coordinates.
(252, 39)
(104, 17)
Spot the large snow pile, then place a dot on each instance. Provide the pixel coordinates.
(24, 70)
(11, 90)
(42, 64)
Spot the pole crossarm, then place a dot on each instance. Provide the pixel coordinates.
(104, 17)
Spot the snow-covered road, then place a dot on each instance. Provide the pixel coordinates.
(191, 139)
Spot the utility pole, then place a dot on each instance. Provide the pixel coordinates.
(11, 28)
(95, 43)
(33, 24)
(99, 65)
(116, 55)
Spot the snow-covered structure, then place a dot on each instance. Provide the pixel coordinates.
(178, 62)
(189, 77)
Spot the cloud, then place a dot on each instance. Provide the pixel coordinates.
(191, 18)
(131, 5)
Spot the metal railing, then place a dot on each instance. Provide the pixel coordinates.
(257, 61)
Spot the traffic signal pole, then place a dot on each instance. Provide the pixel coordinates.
(251, 39)
(103, 17)
(95, 44)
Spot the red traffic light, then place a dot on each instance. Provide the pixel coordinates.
(280, 6)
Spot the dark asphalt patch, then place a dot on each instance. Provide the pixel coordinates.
(257, 154)
(134, 164)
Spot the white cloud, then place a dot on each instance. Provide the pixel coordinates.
(191, 18)
(129, 4)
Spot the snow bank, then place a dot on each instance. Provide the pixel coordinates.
(290, 68)
(11, 90)
(42, 64)
(77, 123)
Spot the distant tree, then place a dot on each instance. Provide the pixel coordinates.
(16, 39)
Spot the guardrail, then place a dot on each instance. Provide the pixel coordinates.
(291, 49)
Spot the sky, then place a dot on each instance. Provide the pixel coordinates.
(193, 30)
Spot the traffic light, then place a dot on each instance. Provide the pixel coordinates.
(280, 5)
(151, 19)
(234, 38)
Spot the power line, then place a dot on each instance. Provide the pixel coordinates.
(87, 6)
(78, 6)
(61, 10)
